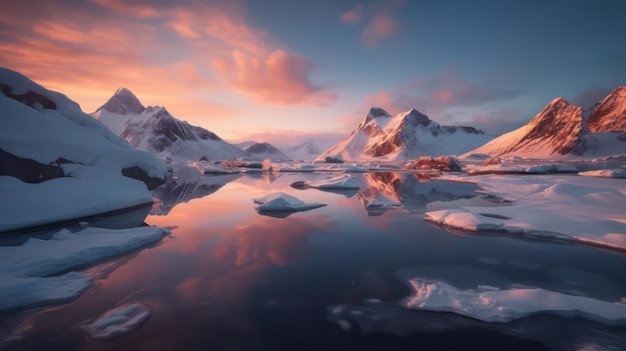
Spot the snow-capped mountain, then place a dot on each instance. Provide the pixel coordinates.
(559, 129)
(610, 114)
(308, 150)
(155, 130)
(57, 163)
(264, 151)
(406, 136)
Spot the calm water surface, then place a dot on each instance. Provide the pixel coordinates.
(229, 278)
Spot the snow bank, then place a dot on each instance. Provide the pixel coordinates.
(605, 173)
(339, 182)
(52, 131)
(503, 306)
(27, 205)
(518, 168)
(581, 209)
(283, 202)
(117, 322)
(25, 271)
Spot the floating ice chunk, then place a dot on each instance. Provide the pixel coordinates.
(25, 271)
(280, 201)
(581, 209)
(118, 321)
(605, 173)
(381, 201)
(344, 181)
(503, 306)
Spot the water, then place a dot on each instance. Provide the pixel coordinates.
(229, 278)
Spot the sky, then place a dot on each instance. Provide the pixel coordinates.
(286, 70)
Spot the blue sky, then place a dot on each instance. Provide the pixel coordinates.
(283, 70)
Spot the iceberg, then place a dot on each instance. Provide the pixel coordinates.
(280, 201)
(26, 271)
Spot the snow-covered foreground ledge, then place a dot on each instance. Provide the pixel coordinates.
(26, 271)
(502, 306)
(27, 205)
(581, 209)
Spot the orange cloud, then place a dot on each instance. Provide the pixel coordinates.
(354, 15)
(280, 78)
(380, 28)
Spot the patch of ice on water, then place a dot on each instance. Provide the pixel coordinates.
(26, 271)
(117, 322)
(344, 181)
(502, 306)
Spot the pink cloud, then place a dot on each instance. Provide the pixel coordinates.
(354, 15)
(129, 8)
(380, 28)
(280, 78)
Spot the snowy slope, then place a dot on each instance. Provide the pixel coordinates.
(44, 130)
(264, 151)
(610, 114)
(155, 130)
(558, 129)
(308, 150)
(406, 136)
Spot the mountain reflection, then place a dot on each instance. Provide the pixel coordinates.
(185, 184)
(413, 190)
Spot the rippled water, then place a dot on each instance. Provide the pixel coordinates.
(229, 278)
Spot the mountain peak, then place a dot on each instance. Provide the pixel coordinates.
(414, 117)
(123, 102)
(610, 114)
(378, 112)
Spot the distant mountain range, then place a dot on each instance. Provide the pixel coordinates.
(263, 151)
(406, 136)
(560, 130)
(308, 150)
(155, 130)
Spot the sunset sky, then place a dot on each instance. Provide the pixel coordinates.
(283, 70)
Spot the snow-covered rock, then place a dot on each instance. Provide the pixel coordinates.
(442, 163)
(406, 136)
(27, 271)
(155, 130)
(502, 306)
(610, 114)
(280, 201)
(46, 137)
(558, 129)
(117, 322)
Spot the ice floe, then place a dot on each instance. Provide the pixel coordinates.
(605, 173)
(581, 209)
(344, 181)
(26, 271)
(505, 305)
(519, 168)
(280, 201)
(117, 322)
